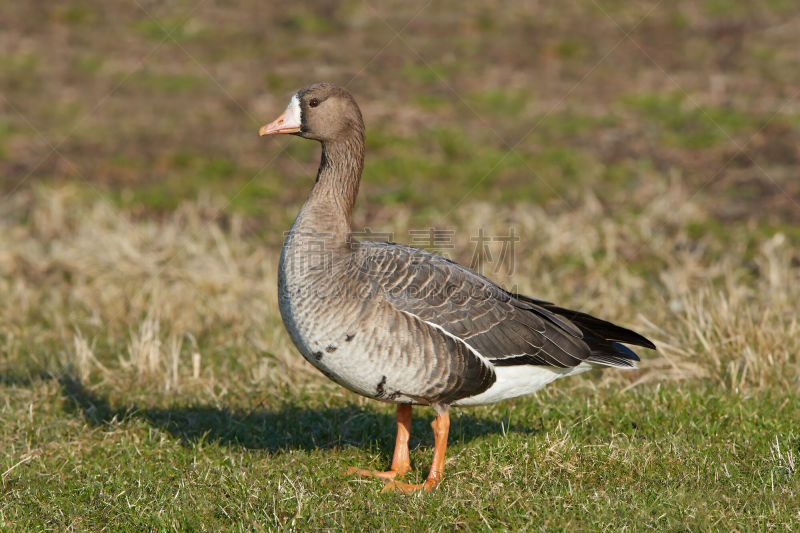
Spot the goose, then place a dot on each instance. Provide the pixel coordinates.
(405, 326)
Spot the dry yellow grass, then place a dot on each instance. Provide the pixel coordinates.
(191, 299)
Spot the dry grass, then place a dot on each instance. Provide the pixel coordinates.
(166, 301)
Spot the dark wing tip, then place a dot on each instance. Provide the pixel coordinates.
(629, 336)
(604, 329)
(624, 351)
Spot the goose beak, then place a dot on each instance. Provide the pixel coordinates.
(285, 123)
(288, 122)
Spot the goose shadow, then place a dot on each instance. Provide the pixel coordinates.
(24, 379)
(283, 428)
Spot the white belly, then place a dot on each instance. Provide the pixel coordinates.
(325, 332)
(515, 381)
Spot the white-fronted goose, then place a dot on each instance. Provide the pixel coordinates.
(405, 326)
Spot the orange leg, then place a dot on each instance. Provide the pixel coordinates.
(441, 427)
(401, 463)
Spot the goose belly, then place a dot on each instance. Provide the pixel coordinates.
(325, 328)
(515, 381)
(336, 354)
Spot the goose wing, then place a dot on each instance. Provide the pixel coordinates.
(503, 328)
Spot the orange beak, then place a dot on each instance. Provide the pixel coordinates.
(288, 122)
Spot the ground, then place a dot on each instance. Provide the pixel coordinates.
(646, 156)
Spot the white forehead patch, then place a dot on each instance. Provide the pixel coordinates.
(294, 107)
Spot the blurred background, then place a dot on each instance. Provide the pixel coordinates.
(153, 103)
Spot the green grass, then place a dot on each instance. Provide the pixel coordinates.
(499, 103)
(173, 30)
(307, 22)
(170, 83)
(673, 457)
(685, 125)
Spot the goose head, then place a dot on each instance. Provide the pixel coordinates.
(323, 112)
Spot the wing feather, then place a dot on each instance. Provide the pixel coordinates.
(502, 327)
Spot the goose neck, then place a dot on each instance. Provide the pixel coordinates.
(330, 205)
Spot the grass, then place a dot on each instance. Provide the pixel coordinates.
(568, 458)
(146, 380)
(700, 127)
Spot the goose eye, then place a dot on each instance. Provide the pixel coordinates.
(313, 102)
